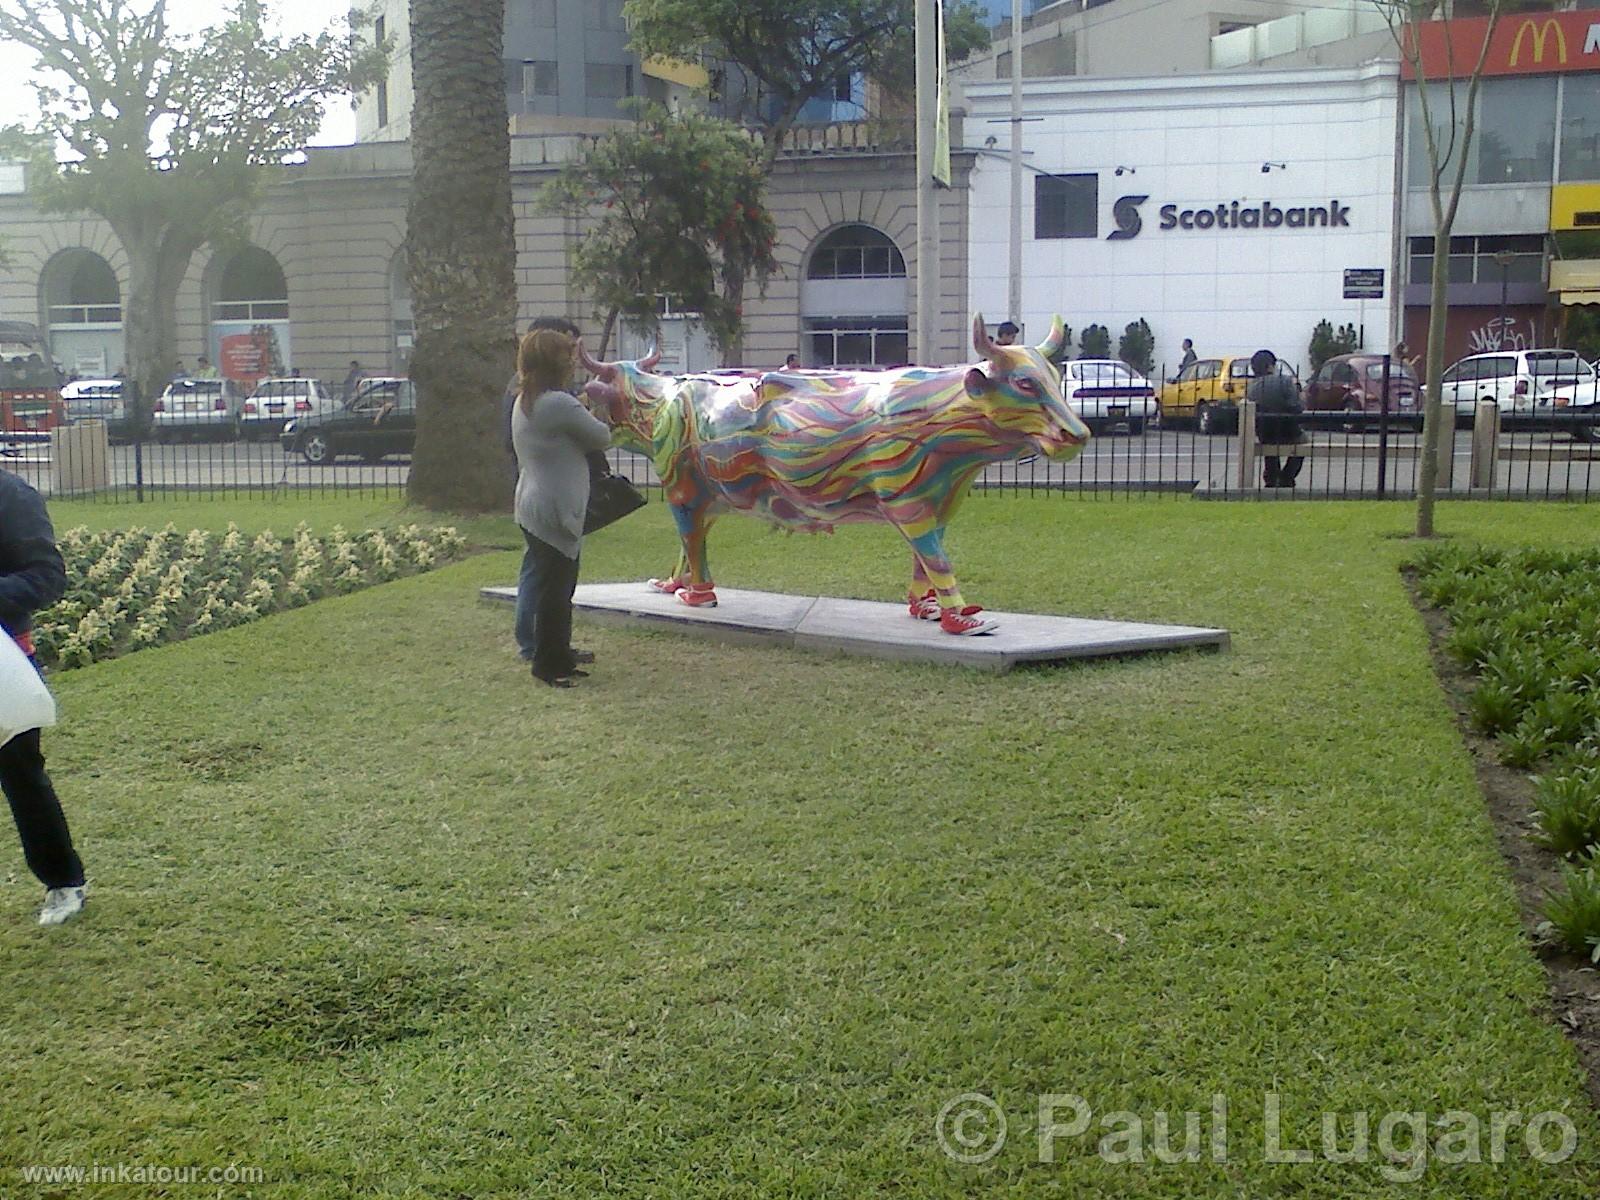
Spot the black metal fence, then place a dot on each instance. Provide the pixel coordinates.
(1490, 454)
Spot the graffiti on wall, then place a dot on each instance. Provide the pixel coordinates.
(1502, 333)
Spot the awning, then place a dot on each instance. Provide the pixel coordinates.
(1580, 297)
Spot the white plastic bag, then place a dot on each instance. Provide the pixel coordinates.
(25, 702)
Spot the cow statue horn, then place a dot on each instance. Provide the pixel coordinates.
(1055, 339)
(649, 361)
(600, 370)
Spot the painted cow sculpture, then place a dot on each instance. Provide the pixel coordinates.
(809, 450)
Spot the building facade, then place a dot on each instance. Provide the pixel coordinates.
(323, 269)
(1222, 207)
(1524, 248)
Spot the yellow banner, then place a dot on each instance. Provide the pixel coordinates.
(690, 75)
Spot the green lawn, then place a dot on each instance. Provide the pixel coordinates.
(378, 915)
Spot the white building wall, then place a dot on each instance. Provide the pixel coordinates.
(1194, 142)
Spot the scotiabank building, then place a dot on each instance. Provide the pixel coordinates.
(1224, 207)
(1525, 247)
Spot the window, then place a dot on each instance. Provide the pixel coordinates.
(841, 88)
(1066, 206)
(1239, 368)
(1103, 374)
(1344, 373)
(1565, 365)
(1580, 126)
(539, 79)
(856, 252)
(859, 341)
(1516, 124)
(608, 81)
(251, 288)
(1502, 366)
(1439, 111)
(1479, 259)
(1209, 369)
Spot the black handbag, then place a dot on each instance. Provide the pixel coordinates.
(611, 497)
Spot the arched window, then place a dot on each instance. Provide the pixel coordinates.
(81, 289)
(251, 288)
(853, 300)
(856, 252)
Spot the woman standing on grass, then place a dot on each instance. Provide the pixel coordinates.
(552, 432)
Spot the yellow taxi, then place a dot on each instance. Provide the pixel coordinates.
(1208, 392)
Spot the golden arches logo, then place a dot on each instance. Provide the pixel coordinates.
(1540, 34)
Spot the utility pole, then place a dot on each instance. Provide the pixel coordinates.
(927, 45)
(1014, 299)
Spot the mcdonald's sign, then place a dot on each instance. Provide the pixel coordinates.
(1521, 44)
(1541, 32)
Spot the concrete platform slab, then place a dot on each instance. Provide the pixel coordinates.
(877, 630)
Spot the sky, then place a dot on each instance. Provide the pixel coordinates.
(17, 103)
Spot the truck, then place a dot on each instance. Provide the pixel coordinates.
(30, 388)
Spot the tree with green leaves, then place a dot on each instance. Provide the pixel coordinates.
(1326, 342)
(170, 136)
(461, 255)
(1137, 346)
(795, 51)
(677, 209)
(1094, 342)
(1448, 111)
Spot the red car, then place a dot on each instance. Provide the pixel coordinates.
(1354, 383)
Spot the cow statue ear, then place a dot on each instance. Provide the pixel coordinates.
(978, 384)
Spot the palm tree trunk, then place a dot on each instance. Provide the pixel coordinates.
(461, 255)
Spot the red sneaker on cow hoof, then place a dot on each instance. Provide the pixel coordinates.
(668, 587)
(694, 597)
(965, 622)
(924, 607)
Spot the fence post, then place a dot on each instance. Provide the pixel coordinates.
(1485, 444)
(1447, 446)
(1247, 445)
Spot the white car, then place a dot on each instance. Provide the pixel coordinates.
(278, 400)
(1107, 393)
(197, 408)
(1524, 383)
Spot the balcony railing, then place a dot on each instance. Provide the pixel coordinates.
(1298, 31)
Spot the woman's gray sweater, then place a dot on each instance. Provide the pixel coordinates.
(552, 476)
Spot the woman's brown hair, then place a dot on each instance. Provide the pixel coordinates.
(544, 364)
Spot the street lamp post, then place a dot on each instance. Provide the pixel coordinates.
(1502, 259)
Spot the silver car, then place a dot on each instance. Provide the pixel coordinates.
(198, 408)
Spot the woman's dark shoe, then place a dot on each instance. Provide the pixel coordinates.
(565, 680)
(582, 656)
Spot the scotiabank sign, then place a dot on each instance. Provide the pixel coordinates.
(1522, 44)
(1227, 214)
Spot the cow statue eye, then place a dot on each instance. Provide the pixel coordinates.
(1027, 386)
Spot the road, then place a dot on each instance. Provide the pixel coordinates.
(1338, 463)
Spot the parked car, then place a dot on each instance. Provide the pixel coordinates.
(1353, 383)
(1528, 385)
(1208, 392)
(198, 408)
(99, 400)
(278, 400)
(380, 419)
(1107, 393)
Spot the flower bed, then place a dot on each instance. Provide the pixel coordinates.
(1526, 624)
(133, 588)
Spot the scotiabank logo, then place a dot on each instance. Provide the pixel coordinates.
(1125, 212)
(1538, 33)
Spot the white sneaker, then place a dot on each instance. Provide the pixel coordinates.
(61, 905)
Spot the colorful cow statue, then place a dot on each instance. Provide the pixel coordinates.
(809, 450)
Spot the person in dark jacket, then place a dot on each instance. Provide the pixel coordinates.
(33, 576)
(1277, 400)
(526, 624)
